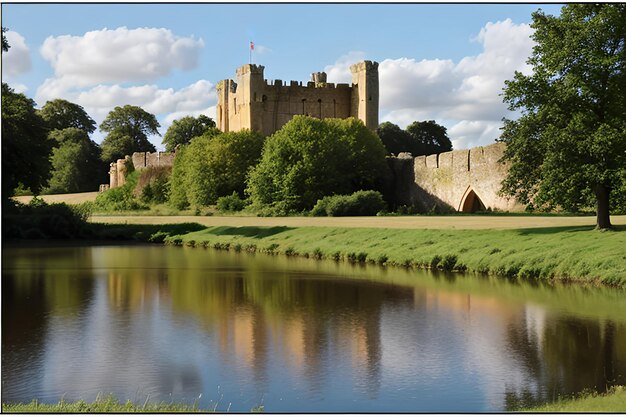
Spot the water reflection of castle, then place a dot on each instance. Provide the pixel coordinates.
(306, 322)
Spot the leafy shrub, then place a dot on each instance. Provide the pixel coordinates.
(40, 220)
(361, 203)
(309, 158)
(120, 198)
(153, 184)
(230, 203)
(212, 166)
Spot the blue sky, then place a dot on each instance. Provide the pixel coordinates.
(445, 62)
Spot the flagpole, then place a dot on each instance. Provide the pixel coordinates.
(250, 47)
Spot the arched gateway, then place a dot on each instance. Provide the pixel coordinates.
(471, 203)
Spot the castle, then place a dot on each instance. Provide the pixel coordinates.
(465, 180)
(254, 103)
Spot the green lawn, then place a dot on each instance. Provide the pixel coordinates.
(577, 253)
(614, 402)
(107, 405)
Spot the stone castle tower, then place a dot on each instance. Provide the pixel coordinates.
(254, 103)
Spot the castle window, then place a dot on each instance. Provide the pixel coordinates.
(334, 108)
(254, 99)
(264, 98)
(235, 104)
(369, 98)
(303, 105)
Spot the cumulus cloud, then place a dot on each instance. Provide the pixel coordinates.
(120, 55)
(94, 70)
(464, 96)
(98, 101)
(16, 61)
(261, 49)
(339, 72)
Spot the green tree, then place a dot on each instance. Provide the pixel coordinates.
(419, 138)
(568, 147)
(128, 128)
(212, 166)
(309, 158)
(61, 114)
(5, 43)
(76, 164)
(428, 138)
(394, 138)
(183, 130)
(25, 148)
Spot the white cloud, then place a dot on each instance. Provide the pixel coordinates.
(197, 98)
(261, 49)
(120, 55)
(463, 96)
(16, 61)
(90, 69)
(339, 72)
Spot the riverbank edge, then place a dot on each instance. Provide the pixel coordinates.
(612, 401)
(110, 404)
(565, 255)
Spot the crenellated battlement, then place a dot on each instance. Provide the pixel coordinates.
(364, 66)
(464, 180)
(266, 105)
(250, 69)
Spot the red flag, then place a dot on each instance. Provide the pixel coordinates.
(252, 46)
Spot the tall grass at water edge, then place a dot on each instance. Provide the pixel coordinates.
(560, 254)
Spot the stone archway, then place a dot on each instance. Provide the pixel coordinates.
(471, 203)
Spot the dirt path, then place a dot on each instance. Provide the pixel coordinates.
(395, 222)
(76, 198)
(401, 222)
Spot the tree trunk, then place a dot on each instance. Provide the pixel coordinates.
(602, 193)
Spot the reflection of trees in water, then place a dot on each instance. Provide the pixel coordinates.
(309, 318)
(567, 356)
(36, 289)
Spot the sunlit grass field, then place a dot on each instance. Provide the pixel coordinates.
(614, 401)
(572, 253)
(499, 221)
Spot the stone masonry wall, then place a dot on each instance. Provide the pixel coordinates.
(265, 106)
(140, 160)
(453, 180)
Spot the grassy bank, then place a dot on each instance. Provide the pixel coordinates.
(110, 404)
(613, 401)
(578, 254)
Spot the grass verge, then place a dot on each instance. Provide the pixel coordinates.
(613, 401)
(110, 404)
(107, 405)
(578, 254)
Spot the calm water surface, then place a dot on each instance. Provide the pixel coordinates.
(235, 331)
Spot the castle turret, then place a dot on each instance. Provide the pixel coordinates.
(319, 78)
(365, 93)
(250, 86)
(224, 88)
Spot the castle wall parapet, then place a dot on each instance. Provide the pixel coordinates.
(462, 180)
(118, 170)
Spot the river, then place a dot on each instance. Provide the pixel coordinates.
(234, 331)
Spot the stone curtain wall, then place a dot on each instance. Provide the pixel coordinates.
(155, 159)
(465, 180)
(140, 160)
